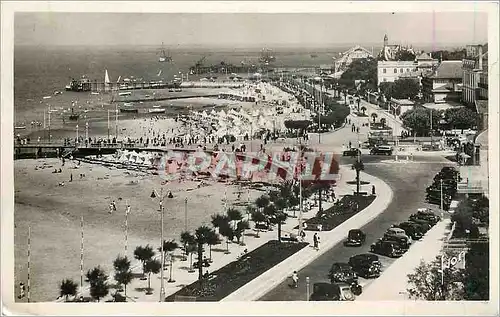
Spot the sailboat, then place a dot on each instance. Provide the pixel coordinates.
(164, 57)
(106, 81)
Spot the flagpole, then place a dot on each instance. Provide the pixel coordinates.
(116, 122)
(29, 263)
(126, 227)
(108, 125)
(81, 253)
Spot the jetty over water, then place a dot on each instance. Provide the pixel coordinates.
(59, 149)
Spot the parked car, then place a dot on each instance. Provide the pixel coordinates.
(331, 292)
(412, 229)
(427, 214)
(423, 224)
(352, 152)
(401, 241)
(398, 232)
(432, 220)
(366, 265)
(342, 273)
(381, 150)
(387, 248)
(355, 237)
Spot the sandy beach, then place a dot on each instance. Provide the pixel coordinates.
(54, 213)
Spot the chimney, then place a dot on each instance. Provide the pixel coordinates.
(480, 57)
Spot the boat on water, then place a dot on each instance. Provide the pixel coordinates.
(156, 110)
(164, 57)
(82, 84)
(129, 110)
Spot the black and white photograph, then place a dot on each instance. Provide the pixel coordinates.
(294, 154)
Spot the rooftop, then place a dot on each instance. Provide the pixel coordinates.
(448, 70)
(403, 102)
(424, 57)
(442, 106)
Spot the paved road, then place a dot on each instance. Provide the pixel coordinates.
(408, 181)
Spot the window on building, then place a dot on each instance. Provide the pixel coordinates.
(401, 70)
(385, 80)
(384, 70)
(395, 70)
(407, 70)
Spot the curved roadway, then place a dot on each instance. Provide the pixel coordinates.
(408, 181)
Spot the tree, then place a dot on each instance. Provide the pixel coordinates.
(144, 254)
(477, 272)
(386, 89)
(383, 121)
(404, 55)
(374, 116)
(202, 236)
(405, 88)
(151, 266)
(97, 279)
(68, 288)
(461, 118)
(364, 69)
(187, 240)
(228, 232)
(234, 215)
(213, 239)
(363, 109)
(123, 274)
(418, 120)
(250, 209)
(262, 202)
(219, 219)
(358, 166)
(168, 246)
(240, 229)
(425, 282)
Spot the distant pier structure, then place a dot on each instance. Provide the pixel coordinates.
(96, 86)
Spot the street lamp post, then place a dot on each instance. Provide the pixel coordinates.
(307, 288)
(162, 287)
(185, 214)
(441, 190)
(86, 131)
(77, 134)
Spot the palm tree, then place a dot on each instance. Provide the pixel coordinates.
(234, 214)
(240, 230)
(144, 254)
(383, 121)
(358, 166)
(258, 217)
(202, 236)
(168, 246)
(218, 220)
(123, 274)
(228, 232)
(68, 288)
(358, 100)
(151, 266)
(213, 239)
(363, 109)
(186, 239)
(374, 116)
(262, 202)
(250, 210)
(98, 286)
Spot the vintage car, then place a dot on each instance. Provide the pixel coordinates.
(352, 152)
(366, 265)
(398, 232)
(332, 292)
(387, 248)
(355, 237)
(413, 230)
(342, 273)
(381, 150)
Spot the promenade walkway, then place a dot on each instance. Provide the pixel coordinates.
(270, 279)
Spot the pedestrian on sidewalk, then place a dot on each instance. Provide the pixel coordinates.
(302, 235)
(318, 243)
(315, 241)
(295, 280)
(373, 190)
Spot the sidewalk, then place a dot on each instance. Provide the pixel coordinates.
(395, 275)
(259, 286)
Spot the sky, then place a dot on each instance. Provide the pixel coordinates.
(249, 29)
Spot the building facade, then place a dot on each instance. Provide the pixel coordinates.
(389, 52)
(357, 52)
(390, 71)
(472, 67)
(444, 84)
